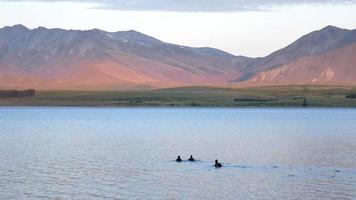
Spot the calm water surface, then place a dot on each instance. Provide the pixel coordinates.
(116, 153)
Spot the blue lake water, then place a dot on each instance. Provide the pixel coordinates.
(119, 153)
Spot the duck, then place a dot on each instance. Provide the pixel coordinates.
(191, 158)
(179, 159)
(217, 164)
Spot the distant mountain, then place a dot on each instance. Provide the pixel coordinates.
(44, 58)
(314, 43)
(335, 67)
(96, 59)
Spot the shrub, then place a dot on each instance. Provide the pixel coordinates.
(351, 96)
(17, 93)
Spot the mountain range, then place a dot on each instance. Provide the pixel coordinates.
(61, 59)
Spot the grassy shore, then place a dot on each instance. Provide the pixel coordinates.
(277, 96)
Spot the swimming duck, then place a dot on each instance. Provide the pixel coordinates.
(179, 159)
(191, 158)
(217, 164)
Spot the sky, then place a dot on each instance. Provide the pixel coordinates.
(242, 27)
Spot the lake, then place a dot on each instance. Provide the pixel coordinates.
(129, 153)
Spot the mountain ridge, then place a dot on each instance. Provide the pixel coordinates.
(314, 43)
(335, 67)
(96, 59)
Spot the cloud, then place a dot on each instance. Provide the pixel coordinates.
(196, 5)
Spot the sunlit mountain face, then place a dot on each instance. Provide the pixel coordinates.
(44, 58)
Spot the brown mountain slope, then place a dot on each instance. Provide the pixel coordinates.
(335, 67)
(314, 43)
(11, 78)
(123, 72)
(95, 59)
(44, 58)
(117, 72)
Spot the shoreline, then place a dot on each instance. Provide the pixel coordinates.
(196, 97)
(181, 107)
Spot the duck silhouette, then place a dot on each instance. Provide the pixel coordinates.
(217, 164)
(179, 159)
(191, 158)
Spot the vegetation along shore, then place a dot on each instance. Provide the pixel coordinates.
(272, 96)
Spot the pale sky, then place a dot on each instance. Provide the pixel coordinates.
(241, 27)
